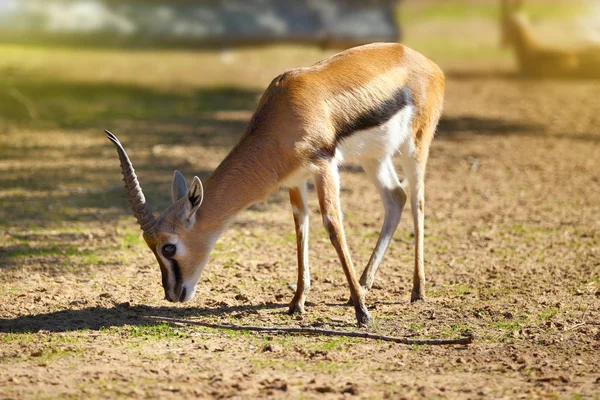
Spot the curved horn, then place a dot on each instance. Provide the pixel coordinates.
(140, 208)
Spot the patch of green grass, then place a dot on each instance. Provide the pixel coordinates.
(160, 331)
(51, 250)
(331, 344)
(415, 348)
(548, 313)
(57, 352)
(131, 239)
(518, 229)
(234, 334)
(416, 327)
(369, 235)
(70, 254)
(462, 10)
(454, 330)
(462, 290)
(510, 325)
(21, 338)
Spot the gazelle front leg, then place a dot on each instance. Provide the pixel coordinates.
(300, 210)
(328, 189)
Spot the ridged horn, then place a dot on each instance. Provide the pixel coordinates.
(141, 210)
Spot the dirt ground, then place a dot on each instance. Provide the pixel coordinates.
(512, 243)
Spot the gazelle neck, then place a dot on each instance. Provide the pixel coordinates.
(246, 176)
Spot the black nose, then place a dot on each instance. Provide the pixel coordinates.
(183, 293)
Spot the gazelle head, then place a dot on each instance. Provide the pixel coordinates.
(180, 246)
(512, 21)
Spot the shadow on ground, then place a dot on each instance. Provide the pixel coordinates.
(50, 185)
(95, 318)
(454, 128)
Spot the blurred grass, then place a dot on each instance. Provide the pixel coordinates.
(414, 11)
(465, 31)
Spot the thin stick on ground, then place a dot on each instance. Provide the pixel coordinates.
(316, 331)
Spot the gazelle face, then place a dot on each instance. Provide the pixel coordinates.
(180, 246)
(181, 251)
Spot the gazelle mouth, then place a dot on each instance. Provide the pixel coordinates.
(182, 295)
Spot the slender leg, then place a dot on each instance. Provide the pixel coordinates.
(415, 173)
(384, 177)
(328, 188)
(300, 210)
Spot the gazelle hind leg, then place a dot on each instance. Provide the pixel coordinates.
(414, 169)
(301, 221)
(328, 189)
(384, 177)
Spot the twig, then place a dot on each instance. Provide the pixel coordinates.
(582, 323)
(572, 328)
(584, 312)
(316, 331)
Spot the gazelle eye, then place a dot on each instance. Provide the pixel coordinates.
(168, 250)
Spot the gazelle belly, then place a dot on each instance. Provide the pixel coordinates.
(381, 141)
(376, 143)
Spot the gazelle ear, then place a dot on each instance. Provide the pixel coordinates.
(195, 196)
(179, 187)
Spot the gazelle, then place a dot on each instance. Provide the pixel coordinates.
(366, 103)
(538, 61)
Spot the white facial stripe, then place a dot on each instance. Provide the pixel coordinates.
(191, 283)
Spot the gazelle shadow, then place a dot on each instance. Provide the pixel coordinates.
(96, 318)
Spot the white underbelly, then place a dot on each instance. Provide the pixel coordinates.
(381, 141)
(377, 143)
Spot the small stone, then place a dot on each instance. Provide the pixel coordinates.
(271, 347)
(324, 389)
(350, 389)
(241, 297)
(36, 353)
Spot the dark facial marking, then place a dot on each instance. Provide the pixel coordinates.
(379, 115)
(165, 277)
(183, 293)
(176, 271)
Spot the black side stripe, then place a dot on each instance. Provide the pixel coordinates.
(379, 115)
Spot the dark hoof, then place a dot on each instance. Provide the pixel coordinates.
(296, 308)
(363, 318)
(416, 297)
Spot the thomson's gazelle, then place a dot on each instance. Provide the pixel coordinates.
(367, 103)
